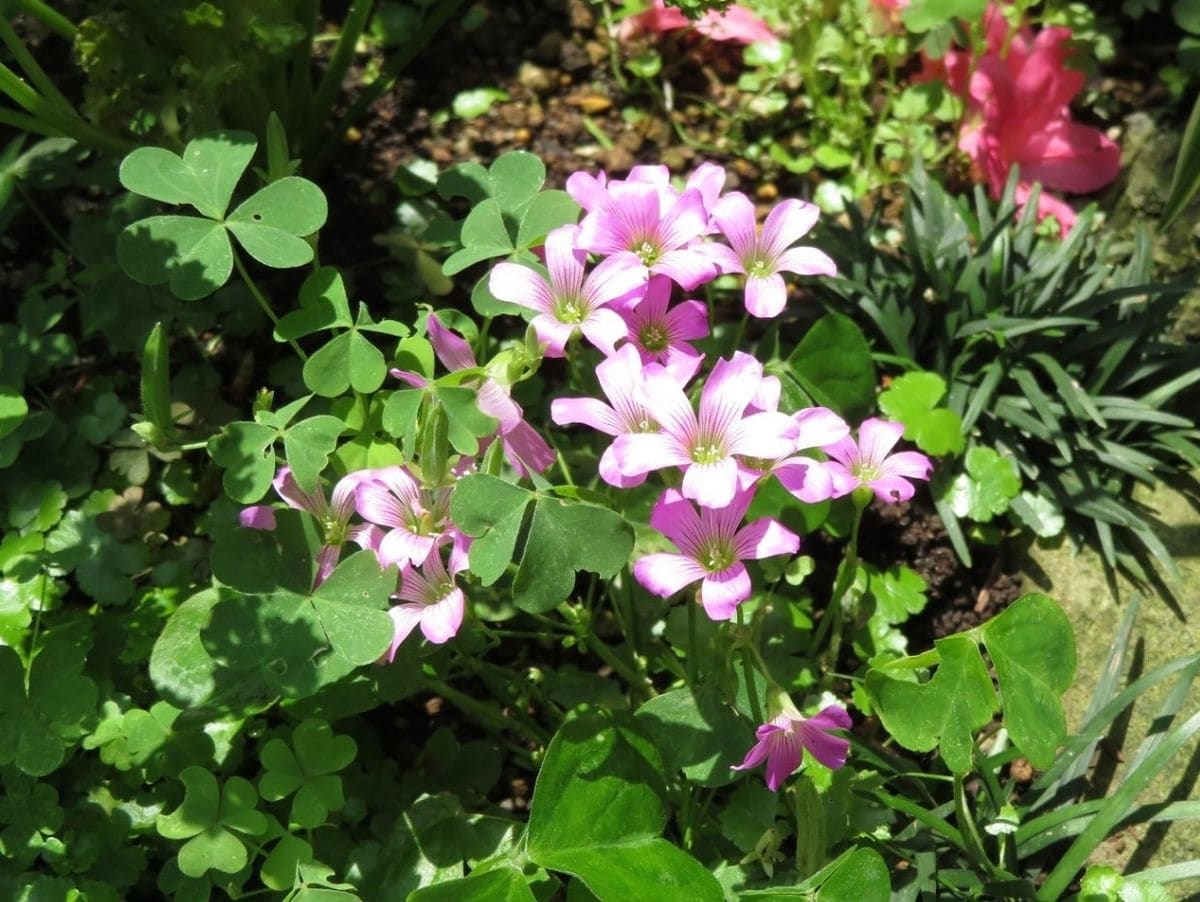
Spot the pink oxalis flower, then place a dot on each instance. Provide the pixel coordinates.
(524, 448)
(706, 445)
(332, 516)
(661, 334)
(712, 545)
(641, 230)
(763, 257)
(869, 462)
(736, 24)
(432, 600)
(784, 739)
(569, 302)
(416, 519)
(621, 379)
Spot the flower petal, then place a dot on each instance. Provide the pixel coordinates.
(257, 516)
(452, 350)
(440, 622)
(806, 261)
(665, 574)
(766, 296)
(722, 592)
(765, 537)
(405, 618)
(521, 285)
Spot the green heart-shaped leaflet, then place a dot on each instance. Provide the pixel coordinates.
(205, 177)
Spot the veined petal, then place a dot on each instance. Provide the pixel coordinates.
(756, 756)
(807, 479)
(685, 221)
(783, 757)
(788, 222)
(589, 191)
(553, 334)
(765, 537)
(564, 262)
(842, 481)
(688, 267)
(730, 388)
(367, 536)
(676, 518)
(912, 464)
(769, 435)
(708, 179)
(401, 547)
(665, 574)
(376, 503)
(258, 516)
(519, 284)
(830, 750)
(452, 350)
(724, 257)
(711, 485)
(766, 296)
(416, 380)
(588, 411)
(493, 400)
(604, 328)
(405, 617)
(831, 717)
(734, 216)
(638, 453)
(440, 622)
(611, 473)
(526, 450)
(687, 320)
(876, 438)
(722, 592)
(819, 426)
(892, 489)
(806, 261)
(662, 395)
(289, 490)
(327, 559)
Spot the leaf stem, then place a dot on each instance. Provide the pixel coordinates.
(481, 712)
(748, 672)
(263, 303)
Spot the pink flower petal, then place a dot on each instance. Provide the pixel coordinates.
(806, 261)
(604, 328)
(766, 296)
(519, 284)
(452, 350)
(440, 622)
(665, 574)
(788, 222)
(258, 516)
(765, 537)
(711, 485)
(588, 411)
(722, 592)
(405, 618)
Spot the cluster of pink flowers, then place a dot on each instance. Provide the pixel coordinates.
(1017, 93)
(736, 24)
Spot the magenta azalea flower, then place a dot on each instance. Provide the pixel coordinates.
(332, 516)
(661, 335)
(784, 739)
(868, 462)
(642, 233)
(763, 257)
(525, 449)
(705, 446)
(434, 602)
(711, 551)
(621, 377)
(568, 303)
(417, 519)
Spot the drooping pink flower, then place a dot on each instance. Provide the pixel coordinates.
(432, 600)
(784, 739)
(1018, 95)
(416, 519)
(712, 545)
(332, 516)
(706, 445)
(640, 231)
(763, 257)
(568, 302)
(661, 335)
(869, 462)
(621, 378)
(525, 449)
(736, 24)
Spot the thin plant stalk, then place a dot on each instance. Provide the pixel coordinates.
(263, 303)
(335, 72)
(51, 18)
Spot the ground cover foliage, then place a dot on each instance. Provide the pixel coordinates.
(540, 577)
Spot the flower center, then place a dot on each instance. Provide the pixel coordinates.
(716, 556)
(707, 451)
(653, 338)
(864, 472)
(759, 268)
(646, 424)
(440, 591)
(334, 531)
(647, 251)
(568, 310)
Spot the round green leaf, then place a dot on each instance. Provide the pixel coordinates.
(13, 410)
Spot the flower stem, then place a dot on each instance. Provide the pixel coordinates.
(692, 665)
(831, 621)
(262, 302)
(748, 673)
(493, 717)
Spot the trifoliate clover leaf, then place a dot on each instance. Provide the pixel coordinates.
(946, 710)
(912, 399)
(988, 486)
(293, 644)
(308, 768)
(279, 867)
(212, 819)
(244, 451)
(31, 815)
(493, 511)
(36, 727)
(129, 739)
(195, 255)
